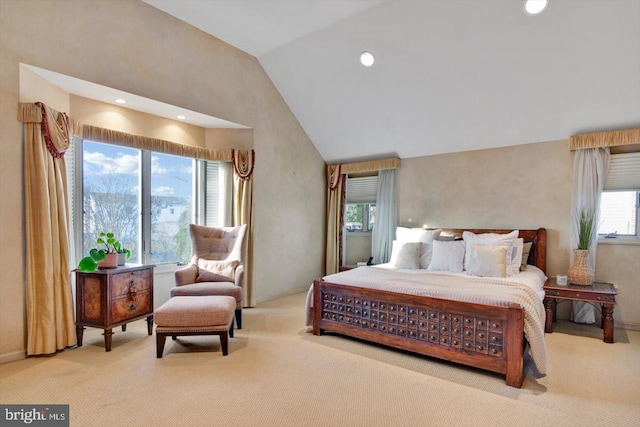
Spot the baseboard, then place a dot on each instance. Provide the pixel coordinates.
(284, 294)
(631, 326)
(12, 357)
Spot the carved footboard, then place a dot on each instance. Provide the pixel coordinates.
(482, 336)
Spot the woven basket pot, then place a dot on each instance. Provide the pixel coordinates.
(580, 273)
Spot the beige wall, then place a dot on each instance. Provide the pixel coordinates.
(220, 138)
(131, 46)
(357, 247)
(109, 116)
(525, 186)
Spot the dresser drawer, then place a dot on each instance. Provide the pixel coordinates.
(121, 282)
(130, 306)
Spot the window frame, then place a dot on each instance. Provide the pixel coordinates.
(619, 167)
(366, 219)
(76, 188)
(624, 238)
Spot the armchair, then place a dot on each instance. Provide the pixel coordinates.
(216, 266)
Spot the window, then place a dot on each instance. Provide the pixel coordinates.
(111, 195)
(147, 198)
(360, 206)
(619, 213)
(360, 216)
(620, 202)
(172, 185)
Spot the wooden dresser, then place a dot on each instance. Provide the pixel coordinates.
(108, 298)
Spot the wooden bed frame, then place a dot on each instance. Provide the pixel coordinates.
(483, 336)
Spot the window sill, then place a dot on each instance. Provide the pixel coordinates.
(630, 241)
(358, 233)
(170, 267)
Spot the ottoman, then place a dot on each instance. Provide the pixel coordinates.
(195, 315)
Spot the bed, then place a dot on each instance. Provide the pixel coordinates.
(392, 307)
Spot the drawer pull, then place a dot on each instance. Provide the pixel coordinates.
(132, 306)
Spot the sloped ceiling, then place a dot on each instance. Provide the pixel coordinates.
(449, 75)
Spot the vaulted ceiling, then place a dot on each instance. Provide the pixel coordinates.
(448, 75)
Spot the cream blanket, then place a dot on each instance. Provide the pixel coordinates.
(458, 287)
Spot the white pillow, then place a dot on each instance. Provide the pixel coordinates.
(216, 271)
(489, 239)
(489, 260)
(516, 255)
(405, 254)
(447, 255)
(404, 234)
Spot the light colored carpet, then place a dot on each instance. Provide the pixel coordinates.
(278, 375)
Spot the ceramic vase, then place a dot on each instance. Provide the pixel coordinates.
(122, 258)
(110, 261)
(580, 273)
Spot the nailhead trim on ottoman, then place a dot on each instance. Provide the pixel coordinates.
(195, 315)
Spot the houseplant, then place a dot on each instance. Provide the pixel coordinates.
(106, 257)
(580, 273)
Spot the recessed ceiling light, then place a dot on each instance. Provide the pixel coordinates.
(181, 117)
(120, 101)
(534, 7)
(367, 59)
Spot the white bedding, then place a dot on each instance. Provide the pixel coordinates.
(524, 288)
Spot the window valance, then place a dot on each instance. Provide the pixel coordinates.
(98, 134)
(605, 139)
(33, 113)
(370, 166)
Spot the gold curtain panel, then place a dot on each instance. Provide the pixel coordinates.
(605, 139)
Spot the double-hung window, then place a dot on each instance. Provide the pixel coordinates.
(360, 203)
(148, 199)
(620, 202)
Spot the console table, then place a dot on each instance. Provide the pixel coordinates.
(108, 298)
(600, 293)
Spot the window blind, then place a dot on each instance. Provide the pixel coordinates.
(624, 172)
(362, 189)
(212, 195)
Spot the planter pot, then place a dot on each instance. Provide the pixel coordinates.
(580, 273)
(122, 258)
(110, 261)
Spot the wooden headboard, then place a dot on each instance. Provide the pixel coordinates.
(538, 253)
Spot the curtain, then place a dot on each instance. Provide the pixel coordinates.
(589, 173)
(335, 218)
(50, 320)
(243, 164)
(384, 228)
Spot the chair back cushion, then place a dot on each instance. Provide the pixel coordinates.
(217, 243)
(216, 271)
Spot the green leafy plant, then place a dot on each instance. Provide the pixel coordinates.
(111, 246)
(125, 251)
(585, 228)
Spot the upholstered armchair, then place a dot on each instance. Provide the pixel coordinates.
(216, 266)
